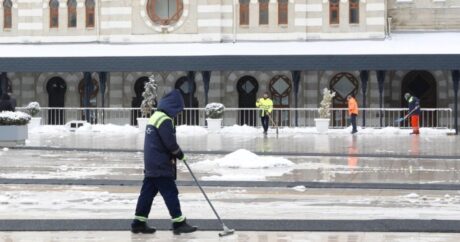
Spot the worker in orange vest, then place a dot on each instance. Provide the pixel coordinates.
(353, 112)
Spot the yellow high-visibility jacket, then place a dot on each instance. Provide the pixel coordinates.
(265, 106)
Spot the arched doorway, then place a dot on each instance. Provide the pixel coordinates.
(247, 87)
(189, 117)
(343, 84)
(56, 88)
(280, 90)
(94, 90)
(421, 84)
(139, 88)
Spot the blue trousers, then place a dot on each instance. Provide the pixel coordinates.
(264, 120)
(168, 190)
(353, 121)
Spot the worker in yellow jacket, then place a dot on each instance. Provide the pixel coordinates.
(265, 105)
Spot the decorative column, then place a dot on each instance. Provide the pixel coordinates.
(364, 75)
(455, 80)
(191, 80)
(296, 80)
(87, 94)
(102, 86)
(206, 80)
(3, 83)
(381, 80)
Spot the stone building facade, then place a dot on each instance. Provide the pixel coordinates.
(38, 22)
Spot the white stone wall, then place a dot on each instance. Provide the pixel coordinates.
(422, 15)
(201, 21)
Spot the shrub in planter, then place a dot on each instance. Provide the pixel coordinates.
(326, 103)
(214, 114)
(215, 110)
(322, 123)
(14, 118)
(33, 108)
(150, 97)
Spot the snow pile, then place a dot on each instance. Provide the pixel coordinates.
(107, 128)
(49, 129)
(247, 160)
(239, 130)
(300, 188)
(186, 130)
(244, 165)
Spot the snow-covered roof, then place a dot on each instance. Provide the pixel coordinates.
(402, 52)
(399, 44)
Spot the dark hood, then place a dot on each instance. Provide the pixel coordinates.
(172, 103)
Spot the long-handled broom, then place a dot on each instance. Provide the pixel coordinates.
(399, 120)
(273, 123)
(226, 231)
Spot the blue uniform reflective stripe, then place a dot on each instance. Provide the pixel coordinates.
(158, 118)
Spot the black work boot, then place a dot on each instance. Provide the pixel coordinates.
(141, 227)
(183, 227)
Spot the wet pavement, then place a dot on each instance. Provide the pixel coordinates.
(118, 202)
(163, 236)
(29, 201)
(34, 164)
(433, 142)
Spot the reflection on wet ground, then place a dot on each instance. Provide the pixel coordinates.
(289, 142)
(118, 166)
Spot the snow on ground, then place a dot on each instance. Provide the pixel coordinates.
(86, 128)
(107, 128)
(243, 165)
(79, 202)
(187, 130)
(235, 130)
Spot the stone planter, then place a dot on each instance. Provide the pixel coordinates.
(34, 123)
(214, 125)
(13, 134)
(322, 125)
(142, 123)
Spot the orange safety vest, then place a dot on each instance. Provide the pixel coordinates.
(352, 106)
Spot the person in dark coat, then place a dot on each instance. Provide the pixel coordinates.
(160, 153)
(414, 110)
(6, 104)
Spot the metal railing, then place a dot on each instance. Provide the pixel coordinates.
(284, 117)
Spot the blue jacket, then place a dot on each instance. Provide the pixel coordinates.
(414, 104)
(160, 146)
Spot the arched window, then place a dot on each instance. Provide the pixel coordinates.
(282, 11)
(189, 117)
(334, 10)
(343, 84)
(89, 5)
(247, 87)
(7, 17)
(56, 88)
(244, 12)
(72, 13)
(165, 12)
(354, 11)
(54, 13)
(280, 90)
(263, 12)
